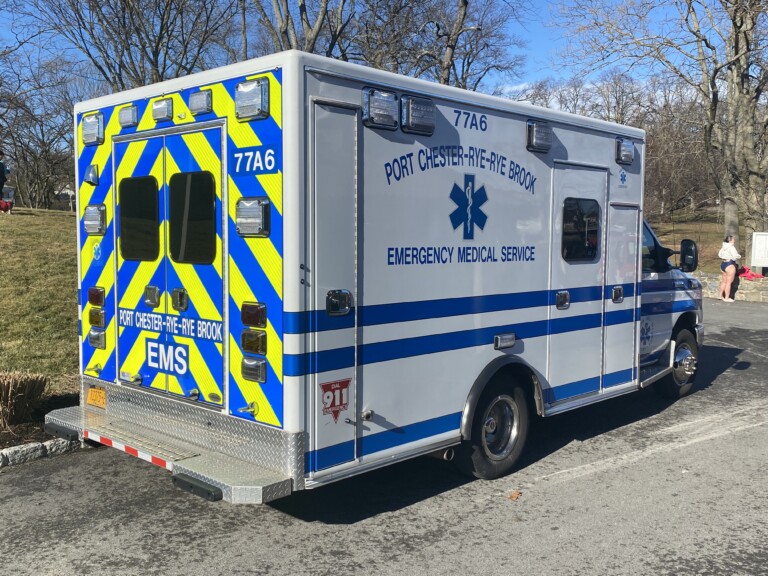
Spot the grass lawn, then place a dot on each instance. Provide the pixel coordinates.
(707, 234)
(38, 283)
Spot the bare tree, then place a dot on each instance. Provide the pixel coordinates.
(455, 42)
(718, 48)
(279, 20)
(35, 117)
(133, 42)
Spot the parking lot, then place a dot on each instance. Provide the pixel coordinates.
(635, 485)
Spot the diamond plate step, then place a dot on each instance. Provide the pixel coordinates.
(240, 482)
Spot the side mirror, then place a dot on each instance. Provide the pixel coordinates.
(689, 256)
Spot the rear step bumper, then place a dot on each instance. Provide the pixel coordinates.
(208, 453)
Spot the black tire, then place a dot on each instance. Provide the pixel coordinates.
(680, 381)
(499, 433)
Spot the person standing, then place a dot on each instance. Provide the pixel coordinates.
(729, 255)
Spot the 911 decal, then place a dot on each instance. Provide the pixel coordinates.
(335, 397)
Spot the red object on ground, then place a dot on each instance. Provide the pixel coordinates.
(747, 274)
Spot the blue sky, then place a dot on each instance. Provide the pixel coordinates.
(543, 42)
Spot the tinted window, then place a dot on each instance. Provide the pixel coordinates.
(139, 226)
(650, 256)
(192, 217)
(581, 230)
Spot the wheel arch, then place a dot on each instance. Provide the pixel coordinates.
(687, 321)
(506, 368)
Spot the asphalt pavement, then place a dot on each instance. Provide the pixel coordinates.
(634, 485)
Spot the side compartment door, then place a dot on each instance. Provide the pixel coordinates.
(577, 281)
(140, 284)
(621, 298)
(333, 214)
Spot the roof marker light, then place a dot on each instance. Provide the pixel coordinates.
(380, 109)
(162, 109)
(201, 102)
(129, 116)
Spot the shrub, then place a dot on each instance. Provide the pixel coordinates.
(20, 393)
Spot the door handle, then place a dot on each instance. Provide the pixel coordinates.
(338, 302)
(563, 299)
(618, 294)
(180, 299)
(152, 296)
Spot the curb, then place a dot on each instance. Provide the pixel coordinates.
(35, 450)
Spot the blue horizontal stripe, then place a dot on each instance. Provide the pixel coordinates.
(319, 321)
(675, 306)
(367, 445)
(566, 391)
(617, 378)
(302, 364)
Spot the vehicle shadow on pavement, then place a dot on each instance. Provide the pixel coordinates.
(401, 485)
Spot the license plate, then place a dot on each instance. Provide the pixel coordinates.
(97, 396)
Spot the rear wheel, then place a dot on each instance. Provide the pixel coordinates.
(499, 433)
(680, 381)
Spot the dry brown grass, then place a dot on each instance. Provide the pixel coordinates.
(20, 394)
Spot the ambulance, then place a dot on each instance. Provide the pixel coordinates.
(293, 270)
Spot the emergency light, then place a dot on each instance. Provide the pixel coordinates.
(380, 109)
(162, 109)
(201, 102)
(252, 99)
(93, 129)
(252, 217)
(95, 219)
(129, 116)
(418, 115)
(625, 151)
(539, 136)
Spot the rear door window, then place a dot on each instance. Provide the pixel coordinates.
(139, 224)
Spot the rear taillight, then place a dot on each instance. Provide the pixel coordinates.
(96, 317)
(96, 296)
(254, 314)
(254, 342)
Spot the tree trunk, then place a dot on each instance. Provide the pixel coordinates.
(731, 219)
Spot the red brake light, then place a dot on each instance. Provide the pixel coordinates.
(96, 296)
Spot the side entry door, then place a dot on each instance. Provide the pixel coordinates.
(334, 221)
(577, 280)
(621, 298)
(169, 282)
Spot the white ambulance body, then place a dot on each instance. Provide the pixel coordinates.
(293, 270)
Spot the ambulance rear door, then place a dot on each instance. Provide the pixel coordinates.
(169, 277)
